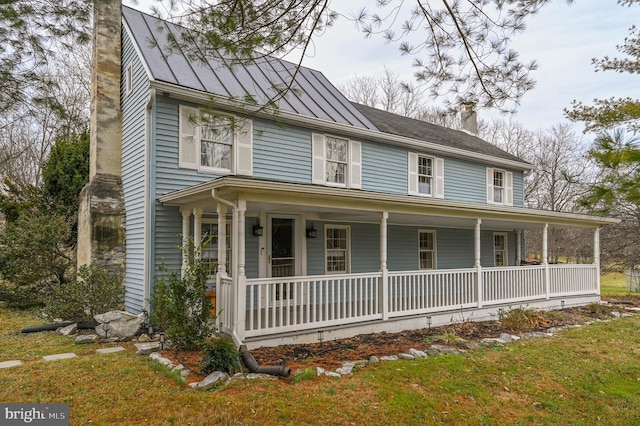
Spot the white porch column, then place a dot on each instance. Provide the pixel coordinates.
(596, 256)
(186, 216)
(239, 272)
(518, 247)
(384, 291)
(222, 239)
(197, 227)
(477, 264)
(545, 260)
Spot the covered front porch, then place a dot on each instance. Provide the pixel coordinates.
(270, 295)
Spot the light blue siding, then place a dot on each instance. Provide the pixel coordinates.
(384, 168)
(281, 152)
(133, 175)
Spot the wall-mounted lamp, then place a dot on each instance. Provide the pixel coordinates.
(258, 230)
(311, 231)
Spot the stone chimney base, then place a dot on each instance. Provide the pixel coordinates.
(101, 224)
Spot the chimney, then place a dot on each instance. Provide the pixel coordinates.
(101, 211)
(469, 120)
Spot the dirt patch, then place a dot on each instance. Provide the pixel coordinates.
(331, 354)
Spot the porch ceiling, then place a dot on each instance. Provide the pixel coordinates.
(344, 205)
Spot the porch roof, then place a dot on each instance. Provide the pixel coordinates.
(348, 205)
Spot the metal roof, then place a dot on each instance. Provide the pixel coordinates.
(421, 130)
(312, 95)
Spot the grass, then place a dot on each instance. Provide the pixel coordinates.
(585, 376)
(614, 284)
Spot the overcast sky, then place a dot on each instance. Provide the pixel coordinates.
(562, 38)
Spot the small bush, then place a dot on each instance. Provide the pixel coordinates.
(21, 297)
(179, 305)
(95, 292)
(600, 310)
(220, 355)
(447, 337)
(523, 319)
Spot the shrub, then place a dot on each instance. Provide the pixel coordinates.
(522, 319)
(21, 297)
(447, 337)
(179, 305)
(220, 355)
(95, 292)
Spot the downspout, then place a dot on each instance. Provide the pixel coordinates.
(147, 202)
(234, 206)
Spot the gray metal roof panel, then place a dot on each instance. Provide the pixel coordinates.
(421, 130)
(314, 96)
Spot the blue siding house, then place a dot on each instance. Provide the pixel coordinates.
(323, 215)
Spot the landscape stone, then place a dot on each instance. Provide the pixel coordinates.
(111, 316)
(144, 338)
(407, 357)
(615, 314)
(320, 371)
(332, 374)
(473, 345)
(178, 367)
(417, 354)
(58, 357)
(185, 372)
(121, 325)
(86, 338)
(211, 380)
(442, 349)
(374, 359)
(110, 350)
(536, 335)
(389, 358)
(147, 348)
(68, 330)
(255, 376)
(347, 368)
(9, 364)
(493, 340)
(506, 337)
(155, 355)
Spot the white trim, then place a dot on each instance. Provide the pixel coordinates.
(347, 251)
(505, 250)
(187, 94)
(146, 275)
(507, 187)
(434, 251)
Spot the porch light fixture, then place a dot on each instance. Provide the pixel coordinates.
(258, 230)
(311, 231)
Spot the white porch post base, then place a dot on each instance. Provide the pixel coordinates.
(545, 260)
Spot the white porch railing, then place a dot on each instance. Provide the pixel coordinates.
(225, 305)
(289, 304)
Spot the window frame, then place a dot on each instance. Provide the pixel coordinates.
(431, 176)
(346, 250)
(345, 163)
(505, 191)
(498, 189)
(231, 144)
(213, 247)
(504, 251)
(433, 251)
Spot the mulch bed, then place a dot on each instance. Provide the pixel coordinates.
(331, 354)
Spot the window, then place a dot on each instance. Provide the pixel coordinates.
(336, 161)
(337, 249)
(214, 143)
(427, 249)
(499, 187)
(500, 249)
(209, 253)
(425, 175)
(128, 80)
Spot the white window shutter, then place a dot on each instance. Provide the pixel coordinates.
(244, 147)
(318, 158)
(412, 175)
(439, 178)
(355, 165)
(187, 138)
(489, 185)
(508, 188)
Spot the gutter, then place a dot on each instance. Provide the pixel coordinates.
(147, 200)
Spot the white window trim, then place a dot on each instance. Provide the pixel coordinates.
(128, 80)
(353, 178)
(507, 188)
(506, 248)
(217, 170)
(229, 248)
(348, 250)
(435, 248)
(437, 184)
(189, 143)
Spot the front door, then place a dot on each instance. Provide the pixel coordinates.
(282, 247)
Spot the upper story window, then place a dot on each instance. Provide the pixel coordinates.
(215, 143)
(426, 175)
(499, 187)
(336, 161)
(427, 249)
(500, 249)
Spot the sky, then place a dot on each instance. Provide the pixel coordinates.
(562, 38)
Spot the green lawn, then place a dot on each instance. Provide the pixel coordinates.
(584, 376)
(614, 284)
